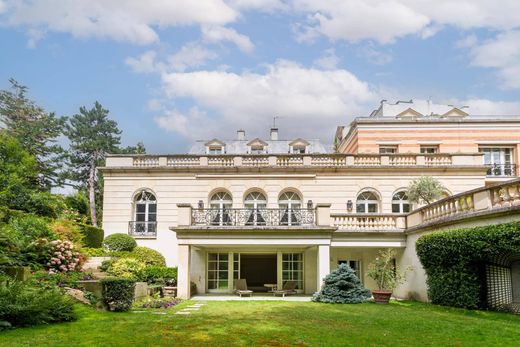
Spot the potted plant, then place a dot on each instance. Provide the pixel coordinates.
(386, 274)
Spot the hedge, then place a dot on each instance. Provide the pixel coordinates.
(93, 237)
(118, 293)
(455, 260)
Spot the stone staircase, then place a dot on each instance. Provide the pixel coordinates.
(92, 266)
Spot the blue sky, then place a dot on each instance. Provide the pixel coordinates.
(171, 72)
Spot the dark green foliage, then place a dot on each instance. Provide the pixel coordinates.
(118, 293)
(44, 279)
(454, 261)
(23, 304)
(342, 286)
(160, 275)
(18, 175)
(36, 130)
(30, 228)
(46, 204)
(149, 256)
(92, 135)
(119, 242)
(92, 236)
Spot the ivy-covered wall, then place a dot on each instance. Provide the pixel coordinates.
(455, 260)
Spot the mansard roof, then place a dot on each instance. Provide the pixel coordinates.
(272, 146)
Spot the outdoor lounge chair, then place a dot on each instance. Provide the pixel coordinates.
(241, 288)
(288, 288)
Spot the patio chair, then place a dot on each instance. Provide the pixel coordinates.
(288, 288)
(241, 288)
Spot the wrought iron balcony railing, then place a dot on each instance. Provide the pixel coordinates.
(504, 170)
(142, 229)
(253, 217)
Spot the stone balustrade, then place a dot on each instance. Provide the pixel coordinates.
(296, 160)
(363, 222)
(479, 200)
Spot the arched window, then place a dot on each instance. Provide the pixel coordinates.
(400, 203)
(367, 202)
(255, 203)
(290, 205)
(145, 209)
(221, 203)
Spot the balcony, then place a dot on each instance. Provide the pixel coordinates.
(262, 217)
(308, 161)
(142, 230)
(367, 222)
(470, 204)
(501, 170)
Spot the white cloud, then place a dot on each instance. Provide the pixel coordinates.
(501, 53)
(328, 61)
(385, 21)
(145, 63)
(485, 107)
(356, 20)
(3, 6)
(214, 34)
(310, 102)
(193, 125)
(374, 55)
(190, 55)
(121, 20)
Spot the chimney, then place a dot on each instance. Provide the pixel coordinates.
(274, 134)
(241, 134)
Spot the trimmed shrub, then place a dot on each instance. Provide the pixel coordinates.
(46, 204)
(160, 275)
(119, 242)
(118, 293)
(149, 256)
(342, 286)
(455, 260)
(126, 268)
(22, 304)
(92, 236)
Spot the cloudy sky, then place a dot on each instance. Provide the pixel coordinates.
(172, 71)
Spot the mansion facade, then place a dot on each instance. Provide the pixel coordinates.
(272, 210)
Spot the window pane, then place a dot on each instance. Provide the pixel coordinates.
(372, 208)
(395, 208)
(360, 208)
(212, 256)
(152, 208)
(406, 208)
(140, 208)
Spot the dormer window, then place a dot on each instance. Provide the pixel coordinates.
(215, 147)
(257, 146)
(298, 146)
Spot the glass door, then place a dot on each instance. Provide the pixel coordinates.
(218, 272)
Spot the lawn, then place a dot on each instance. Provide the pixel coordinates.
(278, 323)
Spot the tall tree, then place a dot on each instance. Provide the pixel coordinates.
(36, 130)
(92, 135)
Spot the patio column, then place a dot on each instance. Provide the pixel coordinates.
(183, 272)
(323, 266)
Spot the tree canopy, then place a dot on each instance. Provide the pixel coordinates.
(36, 130)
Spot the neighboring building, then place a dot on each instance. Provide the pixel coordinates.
(271, 210)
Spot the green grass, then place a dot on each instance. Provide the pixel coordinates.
(279, 323)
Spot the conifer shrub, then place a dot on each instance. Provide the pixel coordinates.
(342, 286)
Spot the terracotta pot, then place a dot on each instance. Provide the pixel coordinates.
(381, 296)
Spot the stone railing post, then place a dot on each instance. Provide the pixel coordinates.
(323, 217)
(237, 161)
(163, 161)
(203, 161)
(184, 215)
(482, 200)
(420, 160)
(271, 160)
